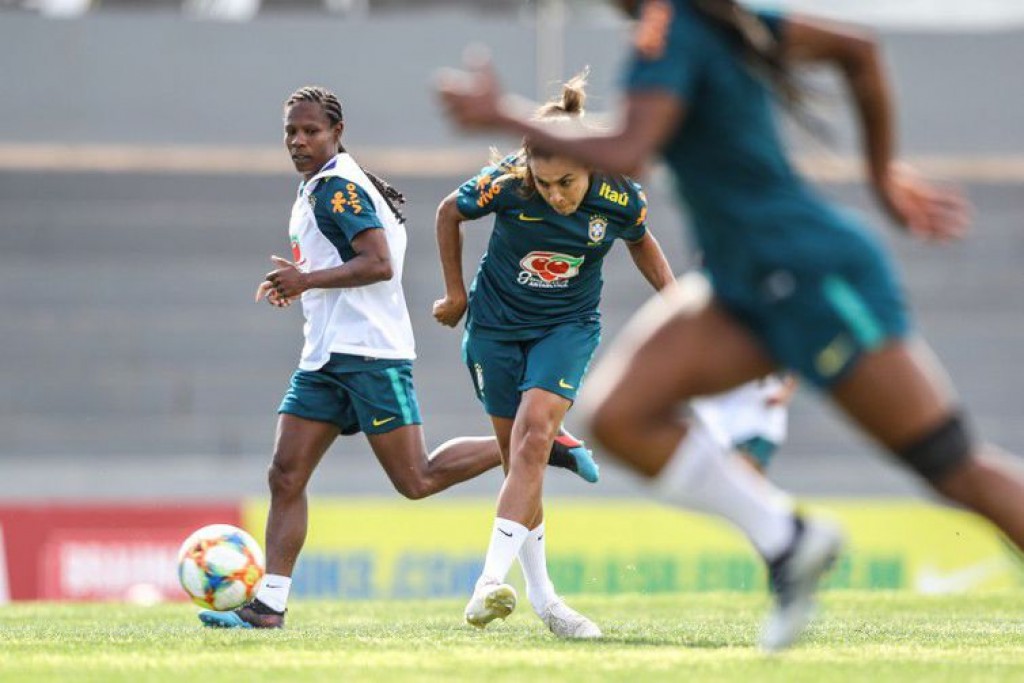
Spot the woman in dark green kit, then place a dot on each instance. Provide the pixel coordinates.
(795, 282)
(532, 326)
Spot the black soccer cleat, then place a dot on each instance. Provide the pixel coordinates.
(793, 580)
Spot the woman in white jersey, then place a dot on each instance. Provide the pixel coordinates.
(355, 373)
(752, 418)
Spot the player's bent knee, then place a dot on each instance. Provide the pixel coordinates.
(412, 488)
(941, 452)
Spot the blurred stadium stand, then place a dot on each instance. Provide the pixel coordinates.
(245, 9)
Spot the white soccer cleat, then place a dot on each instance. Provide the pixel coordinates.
(793, 581)
(490, 601)
(565, 622)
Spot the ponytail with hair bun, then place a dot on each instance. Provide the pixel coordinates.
(571, 101)
(568, 106)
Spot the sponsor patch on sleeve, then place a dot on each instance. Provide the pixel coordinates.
(347, 200)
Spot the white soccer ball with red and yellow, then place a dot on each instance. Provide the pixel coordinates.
(220, 566)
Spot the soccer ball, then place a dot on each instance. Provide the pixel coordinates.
(219, 566)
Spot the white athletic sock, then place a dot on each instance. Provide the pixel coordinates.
(506, 538)
(704, 475)
(273, 592)
(533, 560)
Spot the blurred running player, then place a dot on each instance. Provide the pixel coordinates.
(796, 283)
(348, 243)
(532, 326)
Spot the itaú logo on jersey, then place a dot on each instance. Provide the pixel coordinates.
(548, 269)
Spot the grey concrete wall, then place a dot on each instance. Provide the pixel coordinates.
(135, 363)
(144, 78)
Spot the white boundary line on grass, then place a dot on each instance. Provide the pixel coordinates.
(414, 161)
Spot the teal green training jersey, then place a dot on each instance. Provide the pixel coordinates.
(810, 281)
(342, 210)
(746, 203)
(542, 268)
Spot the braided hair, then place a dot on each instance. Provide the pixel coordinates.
(328, 101)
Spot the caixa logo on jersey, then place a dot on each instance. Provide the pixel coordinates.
(547, 269)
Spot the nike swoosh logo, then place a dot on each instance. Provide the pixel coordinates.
(932, 581)
(565, 385)
(507, 533)
(378, 423)
(529, 219)
(540, 538)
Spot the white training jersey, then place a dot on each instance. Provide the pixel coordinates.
(370, 321)
(743, 413)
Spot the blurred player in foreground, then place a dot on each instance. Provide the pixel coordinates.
(355, 373)
(796, 283)
(532, 328)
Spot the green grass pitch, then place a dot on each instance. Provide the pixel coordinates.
(874, 637)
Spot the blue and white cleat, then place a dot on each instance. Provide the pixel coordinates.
(253, 614)
(570, 453)
(223, 620)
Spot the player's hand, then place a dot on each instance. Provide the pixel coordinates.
(266, 291)
(287, 281)
(449, 310)
(926, 210)
(472, 98)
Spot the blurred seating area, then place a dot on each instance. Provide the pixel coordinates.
(244, 10)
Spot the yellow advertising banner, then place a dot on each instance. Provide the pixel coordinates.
(393, 548)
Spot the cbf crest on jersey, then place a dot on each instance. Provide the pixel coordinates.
(598, 229)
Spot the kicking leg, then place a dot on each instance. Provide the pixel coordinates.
(536, 424)
(417, 474)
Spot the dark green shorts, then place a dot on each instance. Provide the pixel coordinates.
(556, 361)
(819, 317)
(357, 394)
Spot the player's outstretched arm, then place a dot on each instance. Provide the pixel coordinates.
(450, 309)
(926, 210)
(474, 101)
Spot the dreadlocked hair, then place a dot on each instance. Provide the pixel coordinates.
(329, 102)
(566, 109)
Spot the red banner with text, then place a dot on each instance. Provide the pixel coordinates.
(99, 551)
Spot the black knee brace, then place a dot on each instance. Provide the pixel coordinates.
(940, 451)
